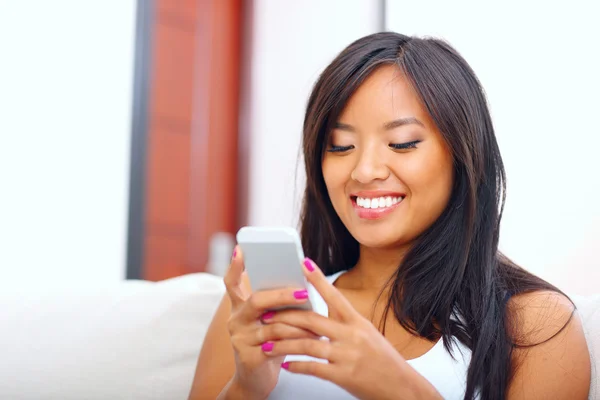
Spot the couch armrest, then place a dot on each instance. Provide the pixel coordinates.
(132, 340)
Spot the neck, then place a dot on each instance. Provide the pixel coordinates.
(376, 266)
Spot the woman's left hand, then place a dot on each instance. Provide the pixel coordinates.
(360, 359)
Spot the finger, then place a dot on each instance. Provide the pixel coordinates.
(333, 297)
(272, 332)
(322, 349)
(251, 356)
(309, 321)
(233, 278)
(314, 368)
(264, 300)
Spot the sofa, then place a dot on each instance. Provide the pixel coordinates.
(130, 340)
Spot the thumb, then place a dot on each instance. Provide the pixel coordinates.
(233, 277)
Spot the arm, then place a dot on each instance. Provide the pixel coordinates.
(232, 364)
(216, 365)
(361, 360)
(557, 368)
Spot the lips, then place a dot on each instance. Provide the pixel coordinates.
(376, 204)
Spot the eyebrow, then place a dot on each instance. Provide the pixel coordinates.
(402, 121)
(387, 126)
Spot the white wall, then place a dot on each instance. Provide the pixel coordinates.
(292, 42)
(540, 65)
(66, 75)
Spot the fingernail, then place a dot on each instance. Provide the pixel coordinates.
(234, 253)
(301, 294)
(308, 263)
(285, 365)
(267, 346)
(268, 315)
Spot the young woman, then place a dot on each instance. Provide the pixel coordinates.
(401, 215)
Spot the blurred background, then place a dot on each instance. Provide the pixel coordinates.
(137, 136)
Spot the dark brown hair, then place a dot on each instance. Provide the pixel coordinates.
(453, 282)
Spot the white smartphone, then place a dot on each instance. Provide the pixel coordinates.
(273, 258)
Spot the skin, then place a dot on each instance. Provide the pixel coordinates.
(233, 363)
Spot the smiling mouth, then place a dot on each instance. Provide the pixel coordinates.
(376, 202)
(372, 208)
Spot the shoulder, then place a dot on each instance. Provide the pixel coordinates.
(550, 357)
(537, 316)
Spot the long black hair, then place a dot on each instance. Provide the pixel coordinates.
(453, 282)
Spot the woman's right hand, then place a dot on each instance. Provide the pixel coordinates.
(256, 374)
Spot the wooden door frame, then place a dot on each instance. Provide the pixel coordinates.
(170, 224)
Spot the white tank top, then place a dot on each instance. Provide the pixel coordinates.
(447, 375)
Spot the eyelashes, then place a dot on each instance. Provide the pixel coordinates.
(394, 146)
(404, 146)
(339, 149)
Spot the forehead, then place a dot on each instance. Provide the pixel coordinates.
(385, 95)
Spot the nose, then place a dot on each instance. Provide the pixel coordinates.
(370, 167)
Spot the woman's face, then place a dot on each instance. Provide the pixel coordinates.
(388, 171)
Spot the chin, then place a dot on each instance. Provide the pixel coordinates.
(378, 240)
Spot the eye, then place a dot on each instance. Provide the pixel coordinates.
(404, 146)
(339, 149)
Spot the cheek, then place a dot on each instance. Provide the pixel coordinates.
(336, 176)
(430, 182)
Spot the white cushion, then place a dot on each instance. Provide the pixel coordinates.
(589, 311)
(135, 340)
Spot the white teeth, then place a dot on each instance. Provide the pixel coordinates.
(377, 202)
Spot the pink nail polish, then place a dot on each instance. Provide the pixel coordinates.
(301, 294)
(285, 365)
(268, 315)
(267, 346)
(234, 253)
(308, 263)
